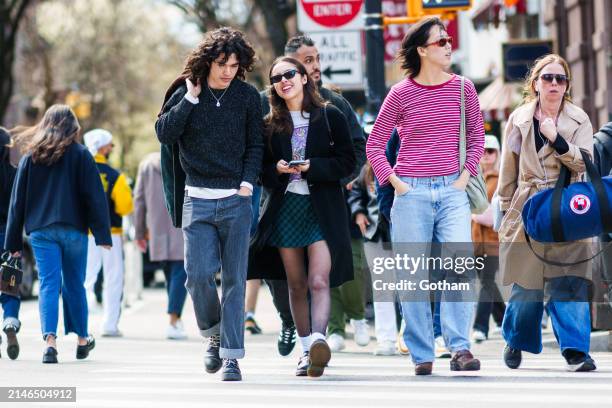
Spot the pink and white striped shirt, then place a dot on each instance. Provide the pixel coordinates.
(428, 120)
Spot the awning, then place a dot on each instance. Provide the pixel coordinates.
(488, 13)
(500, 97)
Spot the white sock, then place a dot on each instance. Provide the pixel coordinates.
(317, 336)
(305, 342)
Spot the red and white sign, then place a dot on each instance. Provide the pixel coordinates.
(394, 33)
(323, 15)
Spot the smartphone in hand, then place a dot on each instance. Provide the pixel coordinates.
(295, 163)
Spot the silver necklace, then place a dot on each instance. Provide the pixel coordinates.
(213, 95)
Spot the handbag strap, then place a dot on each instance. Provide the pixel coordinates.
(563, 264)
(329, 132)
(462, 137)
(555, 205)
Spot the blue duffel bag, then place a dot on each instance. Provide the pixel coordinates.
(570, 212)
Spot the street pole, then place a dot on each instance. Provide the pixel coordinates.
(375, 57)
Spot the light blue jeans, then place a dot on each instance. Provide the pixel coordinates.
(61, 255)
(433, 210)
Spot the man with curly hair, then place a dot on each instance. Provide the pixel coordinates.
(212, 119)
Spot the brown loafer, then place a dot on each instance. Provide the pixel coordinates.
(463, 360)
(423, 369)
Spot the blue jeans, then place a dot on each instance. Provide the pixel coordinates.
(175, 286)
(217, 237)
(568, 308)
(255, 199)
(61, 255)
(10, 304)
(433, 210)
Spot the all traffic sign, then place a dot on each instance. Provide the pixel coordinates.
(322, 15)
(341, 57)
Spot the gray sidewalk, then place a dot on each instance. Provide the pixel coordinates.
(143, 369)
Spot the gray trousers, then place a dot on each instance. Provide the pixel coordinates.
(217, 237)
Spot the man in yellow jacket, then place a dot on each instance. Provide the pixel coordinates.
(119, 196)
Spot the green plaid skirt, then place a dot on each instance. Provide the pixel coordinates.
(297, 225)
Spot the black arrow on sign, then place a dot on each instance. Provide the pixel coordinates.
(328, 72)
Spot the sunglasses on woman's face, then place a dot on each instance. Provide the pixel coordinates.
(490, 151)
(287, 75)
(441, 42)
(560, 78)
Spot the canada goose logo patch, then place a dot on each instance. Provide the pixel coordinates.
(580, 204)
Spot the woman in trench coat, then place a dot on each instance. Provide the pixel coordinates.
(303, 234)
(543, 134)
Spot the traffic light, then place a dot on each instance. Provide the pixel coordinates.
(449, 5)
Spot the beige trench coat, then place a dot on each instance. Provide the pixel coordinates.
(523, 173)
(151, 219)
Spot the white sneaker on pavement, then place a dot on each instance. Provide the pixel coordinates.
(361, 332)
(385, 348)
(478, 336)
(441, 350)
(176, 332)
(336, 342)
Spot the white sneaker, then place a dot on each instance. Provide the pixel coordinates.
(441, 350)
(175, 332)
(478, 336)
(385, 348)
(336, 342)
(361, 332)
(496, 330)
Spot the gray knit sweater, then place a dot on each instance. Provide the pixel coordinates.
(220, 147)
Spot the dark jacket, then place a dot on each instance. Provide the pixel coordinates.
(67, 192)
(362, 200)
(328, 164)
(216, 147)
(385, 194)
(7, 177)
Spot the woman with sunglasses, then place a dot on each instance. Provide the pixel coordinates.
(430, 201)
(546, 132)
(304, 223)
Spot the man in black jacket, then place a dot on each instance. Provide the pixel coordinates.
(215, 120)
(303, 49)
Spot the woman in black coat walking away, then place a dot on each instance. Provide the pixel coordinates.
(308, 151)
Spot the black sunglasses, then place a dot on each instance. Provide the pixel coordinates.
(287, 75)
(560, 78)
(490, 151)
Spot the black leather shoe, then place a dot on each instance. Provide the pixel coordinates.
(50, 356)
(512, 357)
(286, 340)
(83, 351)
(231, 371)
(12, 348)
(212, 361)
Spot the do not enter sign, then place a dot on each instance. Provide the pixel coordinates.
(321, 15)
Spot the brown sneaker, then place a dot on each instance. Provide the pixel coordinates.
(423, 369)
(463, 360)
(319, 356)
